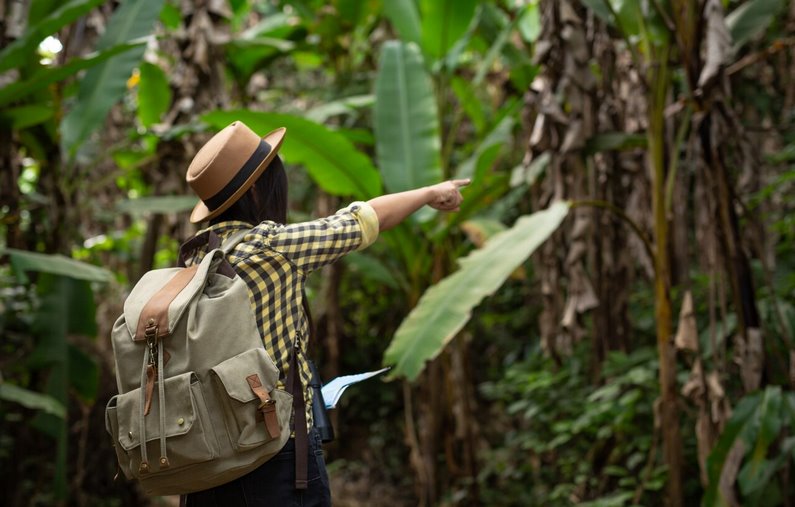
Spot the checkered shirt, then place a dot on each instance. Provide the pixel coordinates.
(274, 260)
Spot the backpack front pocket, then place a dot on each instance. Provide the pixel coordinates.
(188, 433)
(244, 420)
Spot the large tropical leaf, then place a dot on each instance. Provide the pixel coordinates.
(332, 161)
(745, 417)
(443, 23)
(49, 75)
(470, 102)
(406, 120)
(32, 399)
(488, 150)
(158, 204)
(446, 307)
(405, 18)
(22, 260)
(18, 52)
(154, 94)
(106, 83)
(346, 105)
(22, 117)
(751, 18)
(755, 473)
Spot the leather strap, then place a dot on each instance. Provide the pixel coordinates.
(151, 377)
(154, 315)
(295, 387)
(208, 238)
(267, 406)
(213, 241)
(151, 374)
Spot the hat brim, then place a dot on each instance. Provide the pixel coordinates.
(202, 213)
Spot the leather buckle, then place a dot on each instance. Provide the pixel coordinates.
(150, 332)
(267, 403)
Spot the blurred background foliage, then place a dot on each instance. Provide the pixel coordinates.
(608, 321)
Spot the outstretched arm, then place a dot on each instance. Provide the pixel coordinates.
(394, 208)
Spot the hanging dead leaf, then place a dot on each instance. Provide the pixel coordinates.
(718, 42)
(749, 356)
(220, 8)
(687, 332)
(538, 138)
(694, 387)
(568, 14)
(705, 440)
(582, 296)
(728, 475)
(574, 138)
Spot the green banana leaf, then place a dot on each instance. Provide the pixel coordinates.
(443, 23)
(22, 260)
(106, 83)
(405, 18)
(346, 105)
(332, 161)
(154, 94)
(22, 117)
(468, 99)
(488, 150)
(447, 306)
(66, 307)
(19, 52)
(751, 18)
(406, 120)
(757, 420)
(32, 399)
(755, 473)
(158, 204)
(49, 75)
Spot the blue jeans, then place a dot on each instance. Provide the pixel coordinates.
(273, 483)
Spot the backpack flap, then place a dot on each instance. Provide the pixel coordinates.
(159, 299)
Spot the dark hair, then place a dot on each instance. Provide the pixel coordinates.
(265, 200)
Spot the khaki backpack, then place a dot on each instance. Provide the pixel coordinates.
(198, 404)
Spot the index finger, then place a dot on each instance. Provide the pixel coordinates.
(461, 183)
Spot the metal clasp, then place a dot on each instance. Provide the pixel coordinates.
(267, 403)
(151, 329)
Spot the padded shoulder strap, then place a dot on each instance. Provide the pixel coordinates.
(208, 238)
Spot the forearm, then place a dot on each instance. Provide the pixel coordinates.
(394, 208)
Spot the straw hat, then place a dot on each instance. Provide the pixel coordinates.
(226, 167)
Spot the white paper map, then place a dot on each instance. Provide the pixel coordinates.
(334, 389)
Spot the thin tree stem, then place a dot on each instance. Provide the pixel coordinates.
(618, 212)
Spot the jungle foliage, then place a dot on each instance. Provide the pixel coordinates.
(608, 321)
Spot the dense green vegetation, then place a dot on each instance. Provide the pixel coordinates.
(609, 319)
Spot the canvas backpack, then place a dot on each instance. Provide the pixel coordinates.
(198, 404)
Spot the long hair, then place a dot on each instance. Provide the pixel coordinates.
(265, 200)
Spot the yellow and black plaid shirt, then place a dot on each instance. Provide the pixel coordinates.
(274, 260)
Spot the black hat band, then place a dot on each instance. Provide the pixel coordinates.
(245, 172)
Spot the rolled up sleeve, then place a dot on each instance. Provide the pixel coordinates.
(314, 244)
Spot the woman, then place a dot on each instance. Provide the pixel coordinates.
(243, 186)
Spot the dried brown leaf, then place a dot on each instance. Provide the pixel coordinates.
(694, 387)
(687, 332)
(574, 139)
(705, 439)
(728, 475)
(749, 356)
(718, 43)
